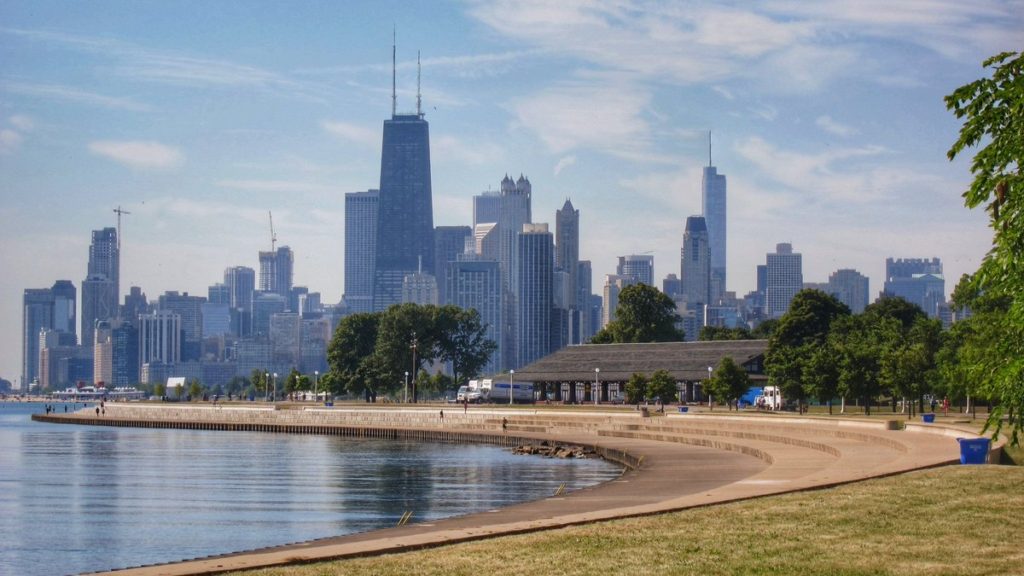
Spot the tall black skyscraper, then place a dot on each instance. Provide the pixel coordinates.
(405, 217)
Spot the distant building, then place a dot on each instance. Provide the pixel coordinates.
(276, 271)
(713, 200)
(851, 288)
(476, 285)
(100, 289)
(613, 285)
(405, 218)
(486, 208)
(449, 244)
(695, 265)
(265, 305)
(420, 288)
(671, 285)
(160, 338)
(360, 248)
(590, 317)
(116, 354)
(45, 309)
(241, 283)
(639, 266)
(916, 280)
(535, 266)
(784, 278)
(567, 258)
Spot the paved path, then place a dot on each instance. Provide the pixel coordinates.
(684, 461)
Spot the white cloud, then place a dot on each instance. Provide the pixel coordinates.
(353, 133)
(69, 94)
(829, 125)
(602, 114)
(22, 122)
(138, 154)
(564, 163)
(9, 141)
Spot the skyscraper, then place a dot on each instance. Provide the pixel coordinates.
(449, 243)
(851, 288)
(37, 315)
(100, 289)
(639, 266)
(535, 265)
(476, 284)
(276, 271)
(916, 280)
(360, 248)
(160, 338)
(713, 206)
(695, 263)
(486, 208)
(514, 212)
(405, 220)
(784, 271)
(567, 258)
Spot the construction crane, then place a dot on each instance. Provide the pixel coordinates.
(119, 213)
(273, 237)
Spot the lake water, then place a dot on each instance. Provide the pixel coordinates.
(82, 498)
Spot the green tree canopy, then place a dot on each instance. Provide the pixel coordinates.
(662, 386)
(350, 354)
(709, 333)
(636, 388)
(992, 110)
(801, 331)
(729, 381)
(644, 314)
(462, 341)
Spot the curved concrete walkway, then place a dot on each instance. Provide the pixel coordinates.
(682, 461)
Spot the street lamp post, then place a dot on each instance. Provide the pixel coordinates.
(274, 380)
(266, 385)
(316, 377)
(414, 344)
(406, 388)
(597, 385)
(511, 373)
(710, 399)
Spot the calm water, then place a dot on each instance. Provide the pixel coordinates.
(80, 498)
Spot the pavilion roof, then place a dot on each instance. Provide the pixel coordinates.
(685, 361)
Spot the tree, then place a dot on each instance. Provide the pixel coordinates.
(296, 381)
(644, 314)
(662, 386)
(822, 378)
(858, 344)
(993, 116)
(195, 389)
(801, 331)
(407, 338)
(636, 388)
(462, 341)
(908, 365)
(350, 354)
(729, 381)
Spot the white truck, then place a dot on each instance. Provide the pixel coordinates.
(470, 393)
(770, 398)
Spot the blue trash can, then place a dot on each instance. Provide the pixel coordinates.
(928, 418)
(973, 450)
(684, 409)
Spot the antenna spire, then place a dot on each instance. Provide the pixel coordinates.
(709, 148)
(419, 99)
(394, 92)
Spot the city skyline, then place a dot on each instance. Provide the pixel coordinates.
(828, 121)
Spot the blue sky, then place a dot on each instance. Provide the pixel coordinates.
(199, 117)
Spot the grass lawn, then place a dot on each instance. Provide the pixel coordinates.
(957, 520)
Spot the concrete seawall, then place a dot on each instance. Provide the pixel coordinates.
(672, 463)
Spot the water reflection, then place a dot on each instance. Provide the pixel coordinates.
(76, 499)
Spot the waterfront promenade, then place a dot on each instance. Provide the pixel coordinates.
(672, 462)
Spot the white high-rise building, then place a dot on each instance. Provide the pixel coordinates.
(714, 208)
(784, 279)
